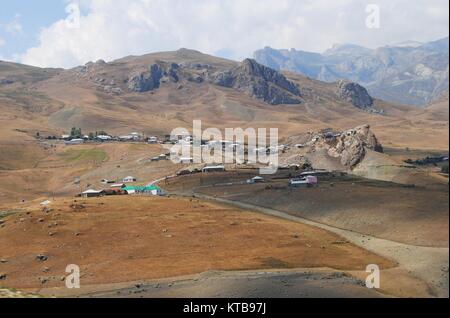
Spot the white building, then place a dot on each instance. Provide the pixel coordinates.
(186, 160)
(104, 137)
(213, 169)
(129, 179)
(75, 142)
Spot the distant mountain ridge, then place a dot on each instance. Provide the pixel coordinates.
(408, 73)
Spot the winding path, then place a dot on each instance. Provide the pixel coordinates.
(429, 264)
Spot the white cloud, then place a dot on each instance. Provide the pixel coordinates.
(111, 29)
(14, 27)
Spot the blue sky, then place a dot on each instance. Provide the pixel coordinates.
(21, 20)
(40, 32)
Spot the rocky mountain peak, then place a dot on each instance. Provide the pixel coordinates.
(250, 77)
(354, 93)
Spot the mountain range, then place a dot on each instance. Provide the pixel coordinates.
(158, 92)
(409, 73)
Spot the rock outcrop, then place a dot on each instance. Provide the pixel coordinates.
(258, 81)
(349, 146)
(355, 94)
(151, 79)
(249, 77)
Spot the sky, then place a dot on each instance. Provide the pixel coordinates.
(68, 33)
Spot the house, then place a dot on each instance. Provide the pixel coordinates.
(126, 138)
(135, 135)
(106, 181)
(155, 159)
(152, 140)
(186, 160)
(118, 186)
(92, 193)
(308, 181)
(75, 142)
(163, 157)
(213, 169)
(256, 179)
(129, 179)
(115, 191)
(314, 173)
(104, 137)
(65, 137)
(299, 182)
(145, 190)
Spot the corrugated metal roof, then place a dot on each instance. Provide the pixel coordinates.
(142, 188)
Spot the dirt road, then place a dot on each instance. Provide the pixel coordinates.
(427, 263)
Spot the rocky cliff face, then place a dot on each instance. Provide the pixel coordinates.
(250, 77)
(258, 81)
(254, 79)
(151, 79)
(354, 94)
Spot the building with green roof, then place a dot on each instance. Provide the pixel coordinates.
(147, 190)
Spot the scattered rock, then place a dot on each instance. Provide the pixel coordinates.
(42, 257)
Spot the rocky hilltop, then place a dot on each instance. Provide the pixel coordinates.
(249, 77)
(332, 150)
(350, 146)
(355, 94)
(258, 81)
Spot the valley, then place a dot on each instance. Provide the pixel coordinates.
(216, 234)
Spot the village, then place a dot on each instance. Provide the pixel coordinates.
(299, 175)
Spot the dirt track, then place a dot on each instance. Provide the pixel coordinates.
(427, 263)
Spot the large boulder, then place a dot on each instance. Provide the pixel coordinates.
(349, 146)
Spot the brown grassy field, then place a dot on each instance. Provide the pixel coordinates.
(121, 239)
(413, 215)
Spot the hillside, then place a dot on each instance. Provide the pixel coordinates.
(99, 96)
(183, 85)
